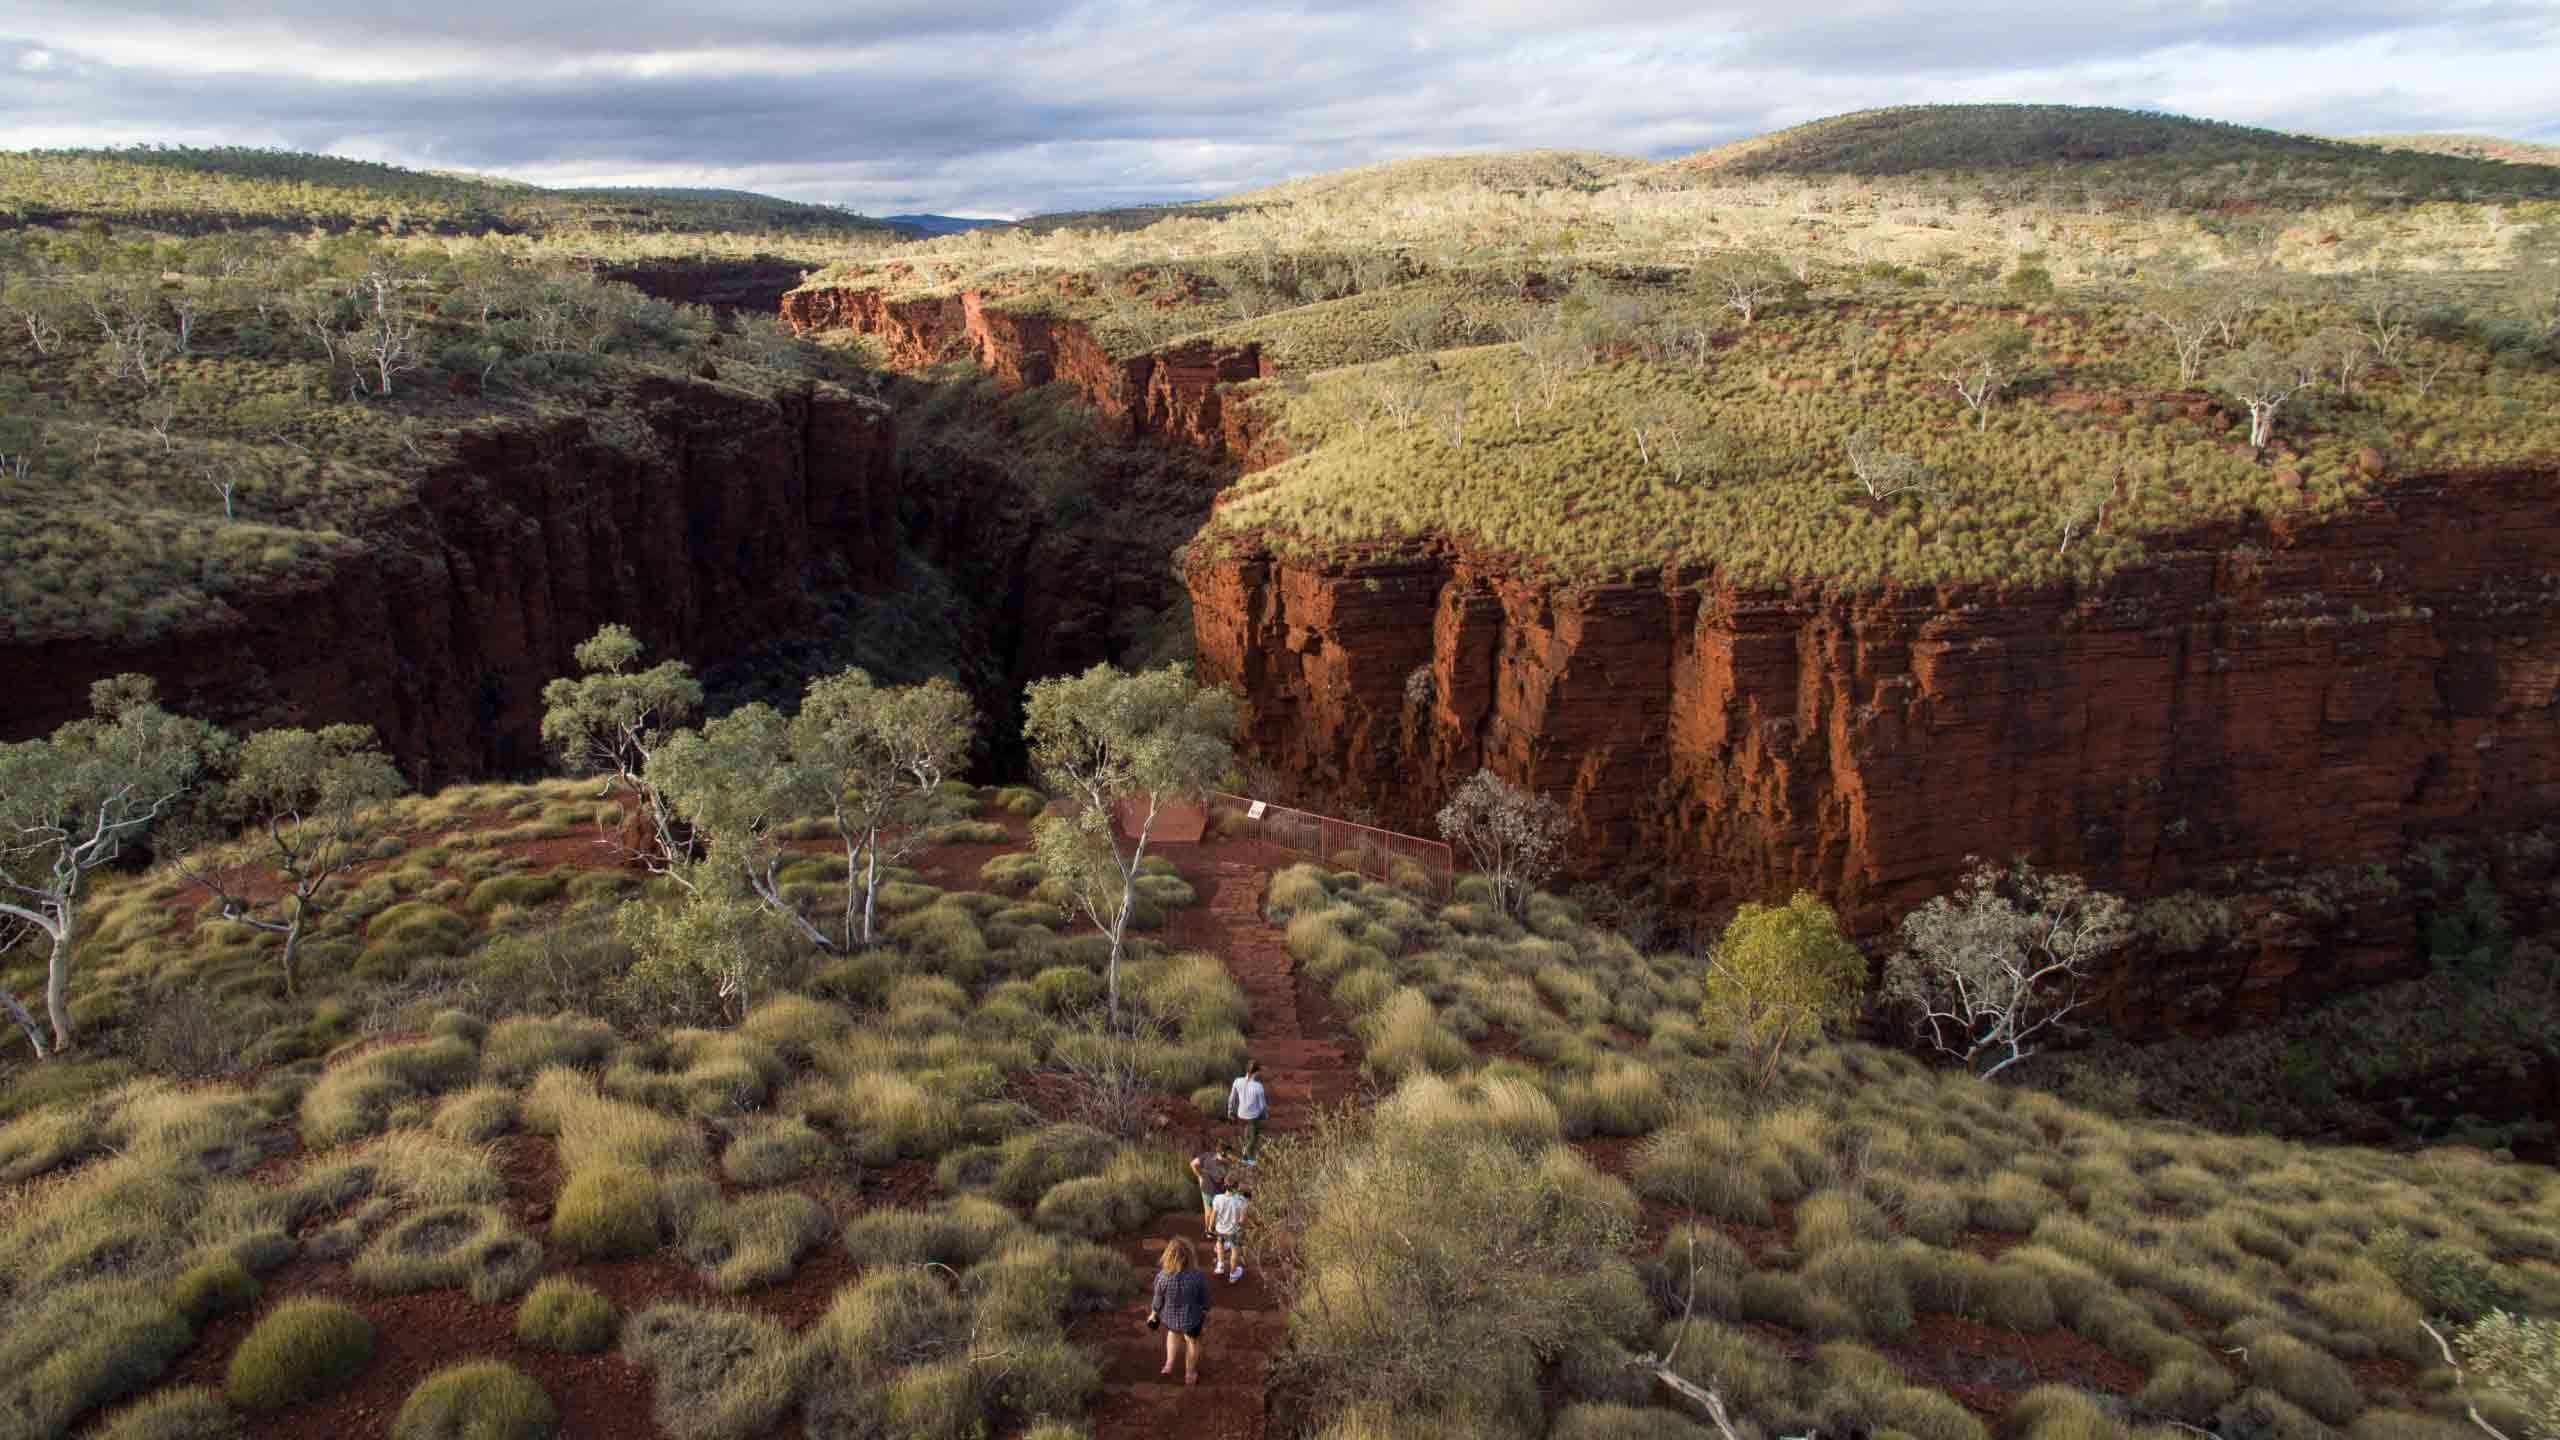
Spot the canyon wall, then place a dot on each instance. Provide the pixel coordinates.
(2266, 714)
(755, 284)
(1176, 394)
(2306, 696)
(515, 547)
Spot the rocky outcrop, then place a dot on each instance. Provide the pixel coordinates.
(1178, 394)
(699, 528)
(2313, 694)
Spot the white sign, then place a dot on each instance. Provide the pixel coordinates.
(1254, 812)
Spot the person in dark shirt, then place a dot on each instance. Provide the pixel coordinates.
(1212, 1169)
(1181, 1305)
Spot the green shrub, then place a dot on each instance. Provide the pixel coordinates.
(357, 1098)
(477, 1400)
(466, 1245)
(2445, 1278)
(1623, 1422)
(411, 931)
(1049, 1376)
(2517, 1360)
(958, 1233)
(719, 1374)
(2188, 1391)
(1621, 1098)
(476, 1116)
(190, 1412)
(522, 892)
(2058, 1412)
(1868, 1283)
(1038, 1160)
(1405, 1037)
(607, 1214)
(2264, 1415)
(1700, 1163)
(2305, 1376)
(2012, 1203)
(856, 1351)
(773, 1150)
(521, 1046)
(757, 1240)
(566, 1315)
(300, 1350)
(72, 1350)
(213, 1287)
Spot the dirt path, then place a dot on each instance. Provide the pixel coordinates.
(1307, 1062)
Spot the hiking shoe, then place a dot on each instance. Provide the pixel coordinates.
(1221, 1270)
(1235, 1275)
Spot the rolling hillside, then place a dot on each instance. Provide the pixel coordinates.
(2098, 141)
(194, 190)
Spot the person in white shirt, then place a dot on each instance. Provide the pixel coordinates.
(1246, 1104)
(1229, 1209)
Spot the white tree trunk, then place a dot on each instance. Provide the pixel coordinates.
(26, 1022)
(57, 982)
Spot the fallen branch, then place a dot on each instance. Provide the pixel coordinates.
(2446, 1347)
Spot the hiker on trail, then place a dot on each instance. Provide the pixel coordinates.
(1181, 1305)
(1212, 1169)
(1246, 1104)
(1229, 1259)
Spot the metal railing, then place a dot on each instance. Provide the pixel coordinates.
(1399, 859)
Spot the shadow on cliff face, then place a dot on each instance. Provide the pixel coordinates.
(1031, 543)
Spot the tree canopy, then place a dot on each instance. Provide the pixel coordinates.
(1156, 737)
(82, 798)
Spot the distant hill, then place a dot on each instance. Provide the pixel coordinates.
(2466, 147)
(1516, 170)
(1501, 170)
(191, 189)
(941, 224)
(1909, 139)
(1903, 138)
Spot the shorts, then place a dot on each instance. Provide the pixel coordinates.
(1227, 1238)
(1194, 1331)
(1209, 1197)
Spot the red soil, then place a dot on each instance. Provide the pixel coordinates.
(1986, 1369)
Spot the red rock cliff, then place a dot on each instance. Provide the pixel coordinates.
(1174, 393)
(2325, 693)
(513, 550)
(755, 284)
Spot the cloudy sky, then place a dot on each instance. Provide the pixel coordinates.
(991, 107)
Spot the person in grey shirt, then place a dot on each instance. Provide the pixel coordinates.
(1246, 1105)
(1181, 1304)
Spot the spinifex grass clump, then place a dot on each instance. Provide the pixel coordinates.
(299, 1351)
(478, 1400)
(564, 1315)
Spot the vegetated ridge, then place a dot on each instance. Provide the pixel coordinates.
(188, 189)
(393, 480)
(2102, 140)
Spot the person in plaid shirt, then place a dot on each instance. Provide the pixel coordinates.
(1180, 1304)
